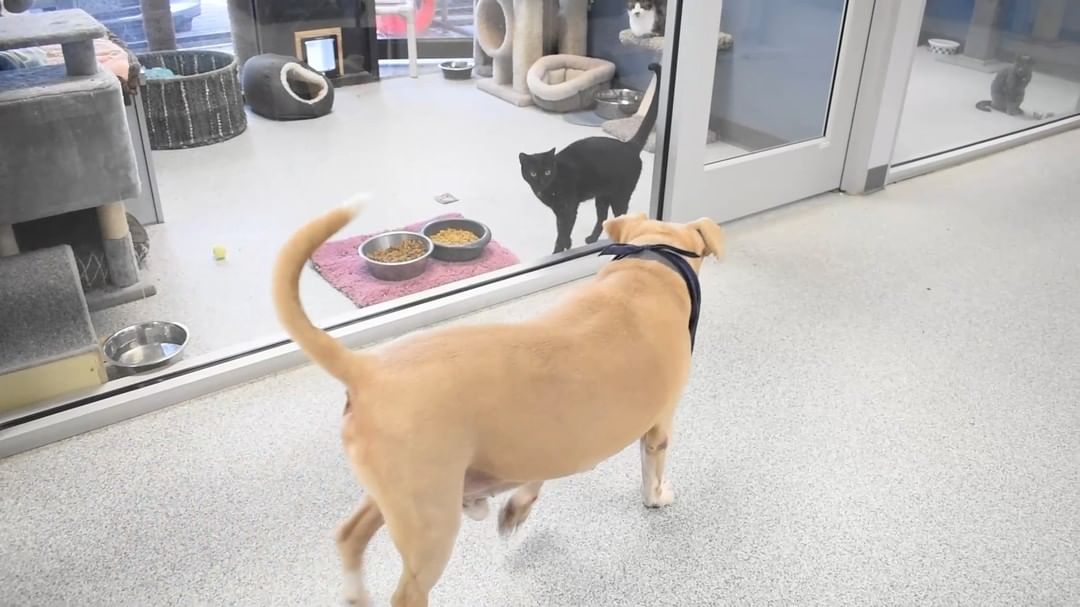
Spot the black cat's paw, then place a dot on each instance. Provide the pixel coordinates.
(592, 238)
(560, 247)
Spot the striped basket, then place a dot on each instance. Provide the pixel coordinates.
(201, 105)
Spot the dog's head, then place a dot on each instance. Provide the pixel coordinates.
(701, 236)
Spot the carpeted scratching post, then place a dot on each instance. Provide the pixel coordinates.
(515, 34)
(8, 245)
(116, 241)
(574, 27)
(511, 32)
(49, 346)
(495, 36)
(17, 6)
(72, 119)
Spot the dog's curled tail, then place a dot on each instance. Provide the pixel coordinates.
(338, 360)
(984, 105)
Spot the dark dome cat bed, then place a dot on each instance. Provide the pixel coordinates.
(283, 88)
(198, 105)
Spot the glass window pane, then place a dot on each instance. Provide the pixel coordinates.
(176, 184)
(772, 87)
(986, 68)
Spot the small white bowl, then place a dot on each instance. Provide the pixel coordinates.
(942, 46)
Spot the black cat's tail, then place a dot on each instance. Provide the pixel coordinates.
(985, 105)
(649, 122)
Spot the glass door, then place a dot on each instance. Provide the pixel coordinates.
(444, 30)
(761, 103)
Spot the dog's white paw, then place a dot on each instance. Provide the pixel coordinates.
(477, 509)
(659, 496)
(356, 594)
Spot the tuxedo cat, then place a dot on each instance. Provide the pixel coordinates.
(600, 168)
(1008, 89)
(647, 17)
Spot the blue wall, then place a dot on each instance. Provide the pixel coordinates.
(1018, 17)
(606, 19)
(777, 79)
(774, 83)
(952, 10)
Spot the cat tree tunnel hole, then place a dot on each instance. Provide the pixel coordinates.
(495, 34)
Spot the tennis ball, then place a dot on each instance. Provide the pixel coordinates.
(219, 252)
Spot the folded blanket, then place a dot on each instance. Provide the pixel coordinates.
(110, 55)
(23, 57)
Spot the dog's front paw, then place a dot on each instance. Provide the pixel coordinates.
(659, 496)
(512, 515)
(356, 594)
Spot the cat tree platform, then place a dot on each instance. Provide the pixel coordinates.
(49, 345)
(724, 41)
(625, 128)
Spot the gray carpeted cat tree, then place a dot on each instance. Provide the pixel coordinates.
(511, 35)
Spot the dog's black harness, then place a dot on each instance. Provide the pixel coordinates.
(674, 258)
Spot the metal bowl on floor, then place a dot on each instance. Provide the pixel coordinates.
(617, 103)
(457, 70)
(146, 346)
(402, 270)
(459, 252)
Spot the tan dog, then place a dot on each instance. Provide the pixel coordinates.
(446, 418)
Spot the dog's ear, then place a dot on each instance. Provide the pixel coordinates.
(712, 234)
(616, 228)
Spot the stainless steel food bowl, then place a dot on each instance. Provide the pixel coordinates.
(457, 70)
(462, 252)
(396, 271)
(617, 103)
(146, 346)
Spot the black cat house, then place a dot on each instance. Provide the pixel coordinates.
(283, 88)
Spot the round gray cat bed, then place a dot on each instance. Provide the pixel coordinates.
(282, 88)
(198, 105)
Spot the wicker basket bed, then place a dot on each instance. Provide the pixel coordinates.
(201, 105)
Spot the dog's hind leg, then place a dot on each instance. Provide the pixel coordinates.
(477, 508)
(352, 538)
(517, 508)
(423, 520)
(654, 487)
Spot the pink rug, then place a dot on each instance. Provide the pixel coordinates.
(340, 264)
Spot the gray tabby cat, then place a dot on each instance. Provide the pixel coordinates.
(1008, 89)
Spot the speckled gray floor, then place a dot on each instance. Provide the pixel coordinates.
(884, 411)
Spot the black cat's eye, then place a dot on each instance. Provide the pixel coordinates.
(532, 173)
(547, 172)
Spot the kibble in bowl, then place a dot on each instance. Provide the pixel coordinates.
(458, 239)
(408, 250)
(397, 255)
(453, 237)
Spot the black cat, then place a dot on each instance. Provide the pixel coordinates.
(600, 168)
(1008, 89)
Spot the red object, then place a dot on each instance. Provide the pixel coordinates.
(395, 25)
